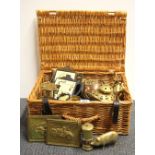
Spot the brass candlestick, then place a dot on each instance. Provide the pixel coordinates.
(87, 136)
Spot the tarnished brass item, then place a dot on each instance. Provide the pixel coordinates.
(87, 136)
(48, 86)
(37, 126)
(119, 87)
(91, 81)
(64, 97)
(49, 89)
(90, 84)
(63, 132)
(106, 89)
(104, 139)
(75, 98)
(106, 98)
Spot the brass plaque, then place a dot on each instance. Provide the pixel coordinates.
(37, 125)
(63, 132)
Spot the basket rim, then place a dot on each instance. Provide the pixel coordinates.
(84, 11)
(77, 102)
(30, 99)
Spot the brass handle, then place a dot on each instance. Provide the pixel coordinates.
(82, 120)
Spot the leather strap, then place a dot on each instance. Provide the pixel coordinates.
(46, 110)
(115, 111)
(79, 88)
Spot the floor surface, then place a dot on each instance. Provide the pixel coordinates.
(124, 146)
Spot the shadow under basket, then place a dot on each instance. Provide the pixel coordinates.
(84, 110)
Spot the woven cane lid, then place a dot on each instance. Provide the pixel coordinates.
(85, 41)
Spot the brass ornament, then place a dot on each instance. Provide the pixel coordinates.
(106, 89)
(48, 86)
(74, 98)
(64, 97)
(91, 81)
(119, 87)
(49, 89)
(105, 139)
(37, 126)
(106, 98)
(87, 136)
(90, 84)
(63, 132)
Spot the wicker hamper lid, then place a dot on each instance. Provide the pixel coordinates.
(85, 41)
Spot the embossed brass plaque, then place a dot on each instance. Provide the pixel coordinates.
(37, 125)
(63, 132)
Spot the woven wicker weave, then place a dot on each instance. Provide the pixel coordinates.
(91, 43)
(83, 40)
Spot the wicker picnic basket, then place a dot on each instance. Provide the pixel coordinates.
(92, 43)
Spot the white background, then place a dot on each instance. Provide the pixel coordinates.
(144, 73)
(29, 53)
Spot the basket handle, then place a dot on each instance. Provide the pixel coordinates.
(82, 120)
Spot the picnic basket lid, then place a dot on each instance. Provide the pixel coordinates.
(83, 40)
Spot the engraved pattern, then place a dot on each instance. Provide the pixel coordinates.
(63, 132)
(37, 125)
(39, 128)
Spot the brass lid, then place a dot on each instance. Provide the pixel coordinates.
(87, 127)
